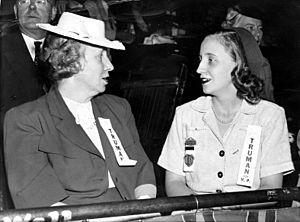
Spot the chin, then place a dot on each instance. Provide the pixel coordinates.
(206, 91)
(102, 89)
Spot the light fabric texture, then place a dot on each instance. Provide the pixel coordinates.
(197, 120)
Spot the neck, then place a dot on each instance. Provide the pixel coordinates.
(73, 93)
(226, 105)
(35, 34)
(226, 109)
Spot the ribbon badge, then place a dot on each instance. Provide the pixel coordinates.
(189, 155)
(188, 159)
(120, 153)
(249, 156)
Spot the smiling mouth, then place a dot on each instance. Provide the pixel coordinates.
(205, 80)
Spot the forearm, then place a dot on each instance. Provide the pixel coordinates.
(178, 188)
(145, 191)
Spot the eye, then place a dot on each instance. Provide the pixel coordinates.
(100, 56)
(250, 28)
(211, 60)
(199, 59)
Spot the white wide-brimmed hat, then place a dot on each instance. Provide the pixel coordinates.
(83, 29)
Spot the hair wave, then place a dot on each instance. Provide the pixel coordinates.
(249, 86)
(64, 56)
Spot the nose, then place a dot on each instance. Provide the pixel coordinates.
(201, 68)
(108, 66)
(257, 33)
(32, 5)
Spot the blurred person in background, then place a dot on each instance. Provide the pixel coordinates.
(247, 14)
(22, 73)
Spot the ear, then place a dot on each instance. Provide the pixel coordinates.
(231, 13)
(54, 11)
(16, 11)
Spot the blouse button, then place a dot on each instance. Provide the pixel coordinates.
(220, 174)
(222, 153)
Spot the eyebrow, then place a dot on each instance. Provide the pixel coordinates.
(210, 54)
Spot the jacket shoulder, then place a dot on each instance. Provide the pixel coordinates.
(111, 101)
(29, 108)
(11, 38)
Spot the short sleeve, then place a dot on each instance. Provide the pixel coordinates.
(276, 154)
(172, 154)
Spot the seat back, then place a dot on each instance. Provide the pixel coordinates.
(153, 103)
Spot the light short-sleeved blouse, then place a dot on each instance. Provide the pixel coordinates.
(217, 161)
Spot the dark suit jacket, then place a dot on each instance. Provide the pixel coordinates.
(20, 79)
(49, 158)
(19, 83)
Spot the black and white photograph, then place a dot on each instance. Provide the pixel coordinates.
(149, 110)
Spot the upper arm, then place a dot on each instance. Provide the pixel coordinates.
(21, 139)
(276, 153)
(31, 178)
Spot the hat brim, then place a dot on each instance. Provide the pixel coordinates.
(99, 42)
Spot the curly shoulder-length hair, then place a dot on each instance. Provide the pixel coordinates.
(248, 85)
(64, 55)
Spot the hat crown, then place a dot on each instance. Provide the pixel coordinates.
(84, 27)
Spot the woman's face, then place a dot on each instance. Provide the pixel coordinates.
(95, 67)
(215, 68)
(252, 25)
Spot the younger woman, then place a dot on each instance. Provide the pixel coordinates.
(231, 139)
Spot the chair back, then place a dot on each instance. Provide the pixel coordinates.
(153, 103)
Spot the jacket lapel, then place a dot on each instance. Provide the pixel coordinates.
(19, 50)
(66, 125)
(99, 111)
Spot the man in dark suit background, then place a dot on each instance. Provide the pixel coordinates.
(22, 78)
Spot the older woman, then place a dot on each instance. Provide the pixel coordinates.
(230, 140)
(76, 145)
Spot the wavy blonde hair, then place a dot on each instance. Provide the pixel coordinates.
(248, 85)
(64, 56)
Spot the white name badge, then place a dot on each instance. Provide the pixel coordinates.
(121, 155)
(249, 156)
